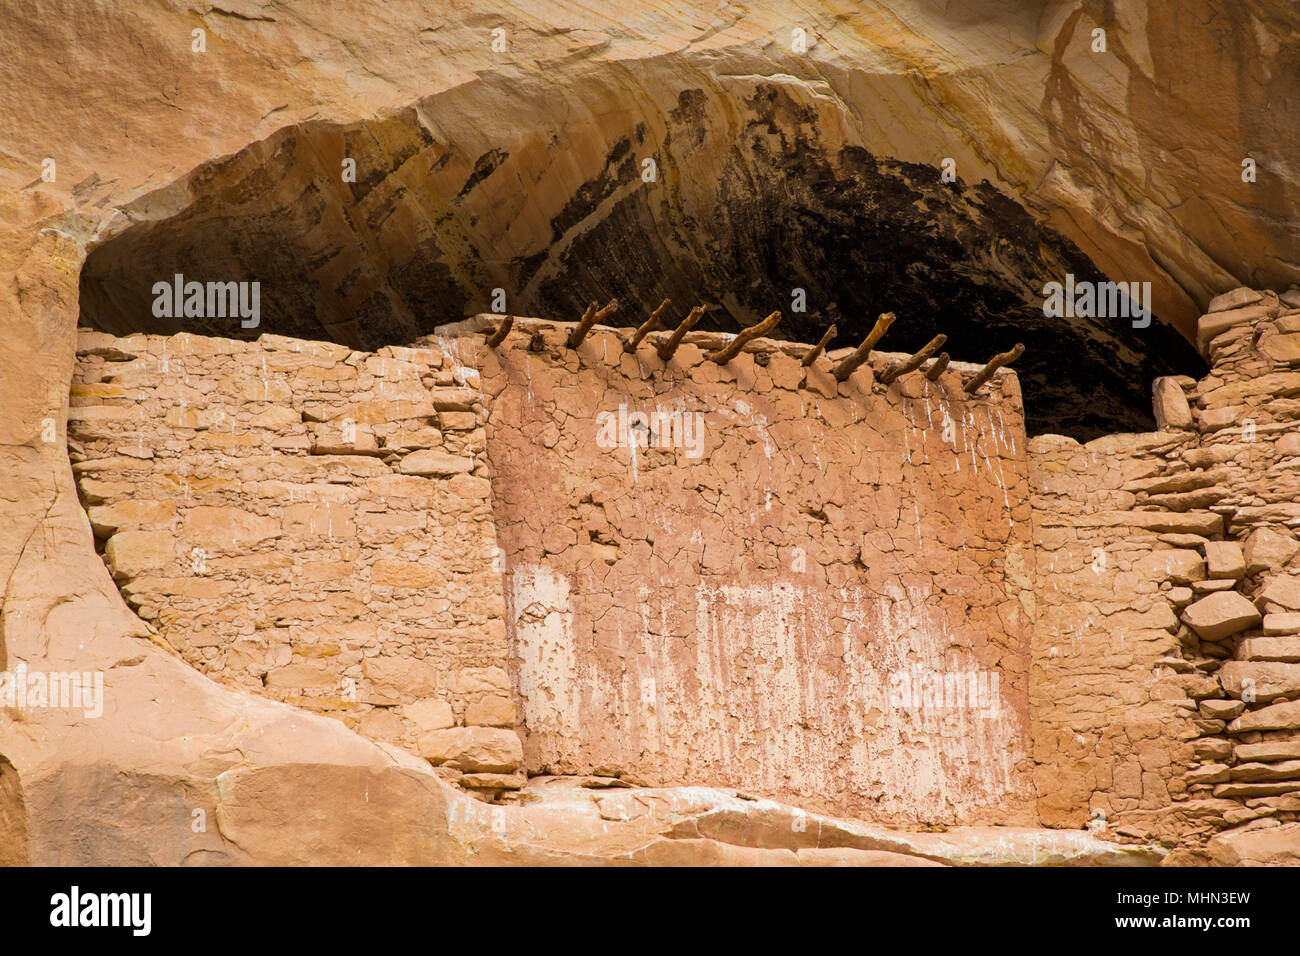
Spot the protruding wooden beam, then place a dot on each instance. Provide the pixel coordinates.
(729, 351)
(937, 366)
(537, 342)
(583, 327)
(995, 363)
(913, 363)
(610, 308)
(851, 362)
(645, 328)
(817, 349)
(499, 336)
(666, 349)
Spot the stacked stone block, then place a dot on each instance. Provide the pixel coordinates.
(310, 522)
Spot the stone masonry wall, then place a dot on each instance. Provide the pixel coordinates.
(1167, 646)
(741, 603)
(1246, 415)
(734, 589)
(309, 522)
(1113, 709)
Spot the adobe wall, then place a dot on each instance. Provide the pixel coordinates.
(737, 612)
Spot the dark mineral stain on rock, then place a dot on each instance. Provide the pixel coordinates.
(388, 258)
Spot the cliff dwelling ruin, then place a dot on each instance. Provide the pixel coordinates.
(635, 450)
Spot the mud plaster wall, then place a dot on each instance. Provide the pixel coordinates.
(740, 616)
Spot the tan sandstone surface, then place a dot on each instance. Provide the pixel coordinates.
(121, 102)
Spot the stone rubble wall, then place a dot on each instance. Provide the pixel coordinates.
(738, 613)
(1242, 626)
(311, 523)
(1168, 592)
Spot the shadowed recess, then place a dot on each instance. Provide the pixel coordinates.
(743, 194)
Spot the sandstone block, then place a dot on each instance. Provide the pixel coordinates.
(1216, 323)
(1281, 623)
(474, 749)
(1281, 348)
(454, 399)
(1221, 709)
(320, 674)
(1169, 403)
(493, 781)
(1220, 615)
(429, 714)
(222, 527)
(1269, 750)
(138, 512)
(1285, 649)
(1281, 593)
(393, 680)
(1234, 299)
(1267, 772)
(434, 462)
(491, 711)
(403, 574)
(1269, 548)
(1272, 678)
(1180, 566)
(336, 438)
(1224, 559)
(130, 553)
(1284, 716)
(457, 421)
(1209, 773)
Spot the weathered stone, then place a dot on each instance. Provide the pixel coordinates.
(1269, 750)
(432, 461)
(1224, 559)
(1216, 323)
(1280, 623)
(1267, 772)
(1285, 649)
(473, 749)
(1220, 615)
(1169, 403)
(1281, 593)
(130, 553)
(1283, 716)
(1272, 679)
(1233, 299)
(1221, 709)
(1268, 548)
(229, 528)
(1275, 847)
(491, 711)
